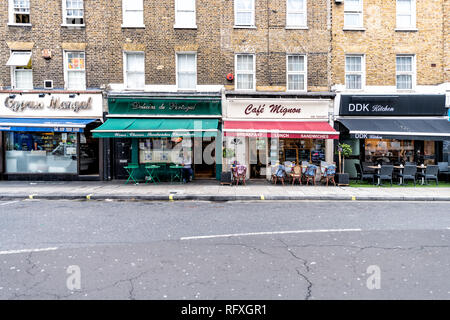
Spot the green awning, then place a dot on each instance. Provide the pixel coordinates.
(145, 128)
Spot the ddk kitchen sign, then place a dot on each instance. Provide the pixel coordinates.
(401, 105)
(54, 105)
(278, 109)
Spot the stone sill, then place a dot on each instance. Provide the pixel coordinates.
(297, 28)
(354, 29)
(185, 27)
(406, 30)
(74, 26)
(133, 27)
(244, 27)
(20, 25)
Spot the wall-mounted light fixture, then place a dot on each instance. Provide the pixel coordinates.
(12, 96)
(72, 95)
(41, 95)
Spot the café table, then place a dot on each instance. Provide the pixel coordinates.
(400, 168)
(130, 168)
(422, 168)
(178, 173)
(378, 168)
(152, 176)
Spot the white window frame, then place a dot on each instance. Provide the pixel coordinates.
(413, 71)
(413, 26)
(252, 25)
(14, 69)
(66, 70)
(304, 72)
(11, 20)
(179, 25)
(125, 71)
(64, 11)
(131, 25)
(360, 11)
(362, 73)
(236, 71)
(304, 11)
(196, 70)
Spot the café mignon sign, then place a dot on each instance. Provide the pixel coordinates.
(278, 109)
(54, 105)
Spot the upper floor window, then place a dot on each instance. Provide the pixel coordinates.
(296, 13)
(19, 11)
(353, 14)
(406, 14)
(187, 71)
(185, 14)
(134, 70)
(73, 12)
(354, 72)
(244, 13)
(75, 70)
(21, 70)
(133, 13)
(296, 73)
(245, 72)
(405, 72)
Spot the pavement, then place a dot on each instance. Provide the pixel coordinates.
(210, 190)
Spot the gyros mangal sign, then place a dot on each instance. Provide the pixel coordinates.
(51, 105)
(278, 109)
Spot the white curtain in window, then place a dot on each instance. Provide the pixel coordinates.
(24, 79)
(187, 71)
(353, 13)
(244, 12)
(404, 13)
(133, 12)
(296, 13)
(296, 69)
(354, 72)
(245, 72)
(135, 70)
(185, 15)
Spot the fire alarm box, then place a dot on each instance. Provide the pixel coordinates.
(230, 77)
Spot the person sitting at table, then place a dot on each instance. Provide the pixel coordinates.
(187, 167)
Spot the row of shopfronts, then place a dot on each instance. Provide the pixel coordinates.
(93, 135)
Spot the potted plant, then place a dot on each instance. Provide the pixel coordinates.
(344, 150)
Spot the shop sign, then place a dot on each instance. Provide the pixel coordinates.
(401, 105)
(278, 109)
(365, 136)
(149, 107)
(51, 105)
(281, 135)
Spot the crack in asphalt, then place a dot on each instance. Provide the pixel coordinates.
(309, 287)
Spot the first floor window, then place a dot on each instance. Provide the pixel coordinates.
(296, 72)
(21, 70)
(187, 71)
(133, 13)
(354, 72)
(245, 72)
(73, 11)
(405, 72)
(406, 14)
(353, 14)
(19, 11)
(185, 13)
(244, 13)
(296, 13)
(75, 70)
(135, 70)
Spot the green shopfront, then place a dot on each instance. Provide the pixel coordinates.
(162, 132)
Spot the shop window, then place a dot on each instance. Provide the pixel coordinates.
(353, 14)
(73, 12)
(75, 67)
(296, 72)
(406, 14)
(354, 72)
(133, 14)
(296, 13)
(134, 70)
(21, 70)
(166, 150)
(301, 151)
(244, 13)
(405, 72)
(185, 14)
(19, 11)
(41, 152)
(245, 72)
(186, 71)
(389, 151)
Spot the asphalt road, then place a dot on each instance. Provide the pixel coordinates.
(236, 250)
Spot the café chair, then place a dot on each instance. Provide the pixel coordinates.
(363, 175)
(310, 174)
(297, 174)
(280, 173)
(443, 169)
(329, 174)
(431, 173)
(385, 173)
(409, 173)
(241, 172)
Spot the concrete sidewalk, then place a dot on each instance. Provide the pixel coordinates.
(210, 190)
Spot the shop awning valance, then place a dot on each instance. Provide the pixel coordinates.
(19, 59)
(280, 129)
(44, 125)
(144, 128)
(410, 129)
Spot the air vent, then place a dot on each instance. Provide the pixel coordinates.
(48, 84)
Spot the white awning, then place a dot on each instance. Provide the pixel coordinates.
(19, 59)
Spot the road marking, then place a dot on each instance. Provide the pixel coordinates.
(31, 196)
(269, 233)
(27, 250)
(262, 197)
(10, 202)
(89, 196)
(353, 198)
(170, 197)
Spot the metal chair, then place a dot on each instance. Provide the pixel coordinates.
(431, 173)
(409, 173)
(361, 175)
(443, 169)
(385, 173)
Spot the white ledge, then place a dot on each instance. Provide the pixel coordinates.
(354, 29)
(184, 27)
(19, 24)
(133, 27)
(244, 27)
(73, 25)
(296, 28)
